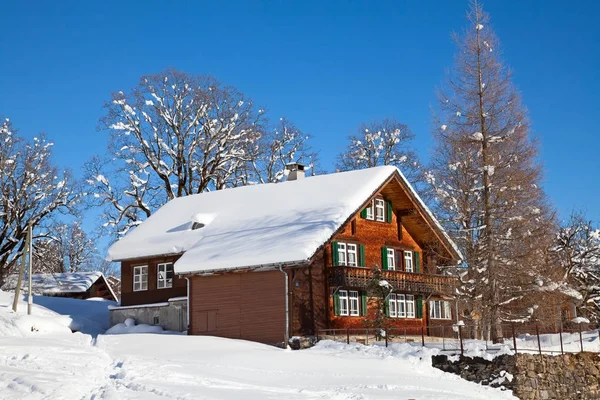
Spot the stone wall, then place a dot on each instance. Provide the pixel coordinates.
(171, 315)
(532, 376)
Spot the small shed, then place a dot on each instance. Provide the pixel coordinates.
(76, 285)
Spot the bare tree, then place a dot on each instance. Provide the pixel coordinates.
(487, 178)
(66, 248)
(31, 190)
(577, 248)
(386, 142)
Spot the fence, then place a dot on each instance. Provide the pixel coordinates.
(461, 339)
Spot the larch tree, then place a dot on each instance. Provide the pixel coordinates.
(32, 189)
(386, 142)
(178, 134)
(486, 177)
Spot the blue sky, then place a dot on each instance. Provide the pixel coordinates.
(326, 65)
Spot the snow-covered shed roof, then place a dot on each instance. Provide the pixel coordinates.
(253, 226)
(68, 282)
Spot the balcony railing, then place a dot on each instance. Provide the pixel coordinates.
(401, 281)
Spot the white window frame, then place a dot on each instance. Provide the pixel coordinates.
(164, 282)
(391, 259)
(379, 206)
(440, 309)
(392, 305)
(369, 213)
(344, 306)
(342, 257)
(139, 273)
(354, 303)
(352, 249)
(410, 306)
(408, 262)
(401, 306)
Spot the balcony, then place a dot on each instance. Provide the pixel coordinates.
(401, 281)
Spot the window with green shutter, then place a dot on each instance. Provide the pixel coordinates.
(361, 251)
(384, 259)
(389, 211)
(336, 303)
(363, 303)
(334, 253)
(419, 307)
(363, 213)
(417, 262)
(387, 306)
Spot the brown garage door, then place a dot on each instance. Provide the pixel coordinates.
(247, 306)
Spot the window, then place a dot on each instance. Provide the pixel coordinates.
(439, 309)
(410, 306)
(165, 276)
(379, 210)
(408, 261)
(401, 306)
(392, 305)
(354, 303)
(343, 302)
(140, 278)
(352, 254)
(341, 253)
(391, 260)
(369, 212)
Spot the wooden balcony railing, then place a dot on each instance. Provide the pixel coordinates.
(401, 281)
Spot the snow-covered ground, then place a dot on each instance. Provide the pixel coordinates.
(52, 363)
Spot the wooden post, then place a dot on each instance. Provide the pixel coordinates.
(537, 332)
(386, 338)
(367, 341)
(514, 338)
(443, 338)
(347, 335)
(462, 349)
(423, 336)
(561, 342)
(580, 338)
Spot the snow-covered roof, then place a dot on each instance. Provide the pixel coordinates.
(68, 282)
(252, 226)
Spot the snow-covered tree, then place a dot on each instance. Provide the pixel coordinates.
(386, 142)
(66, 248)
(277, 147)
(487, 177)
(31, 190)
(577, 248)
(178, 134)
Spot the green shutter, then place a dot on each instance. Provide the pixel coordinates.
(419, 307)
(363, 213)
(388, 214)
(417, 262)
(384, 262)
(361, 250)
(336, 303)
(334, 253)
(363, 298)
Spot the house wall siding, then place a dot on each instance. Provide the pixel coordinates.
(153, 294)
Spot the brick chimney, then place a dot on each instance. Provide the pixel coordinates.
(295, 171)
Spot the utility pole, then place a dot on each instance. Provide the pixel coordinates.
(30, 297)
(21, 272)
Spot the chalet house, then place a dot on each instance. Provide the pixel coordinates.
(269, 261)
(76, 285)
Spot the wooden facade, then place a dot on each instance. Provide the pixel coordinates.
(251, 305)
(153, 294)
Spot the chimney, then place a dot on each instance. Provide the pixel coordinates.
(295, 171)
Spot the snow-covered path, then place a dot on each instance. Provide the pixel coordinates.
(182, 367)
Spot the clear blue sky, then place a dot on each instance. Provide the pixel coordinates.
(326, 65)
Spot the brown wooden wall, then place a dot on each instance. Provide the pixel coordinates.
(100, 289)
(308, 299)
(152, 295)
(249, 305)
